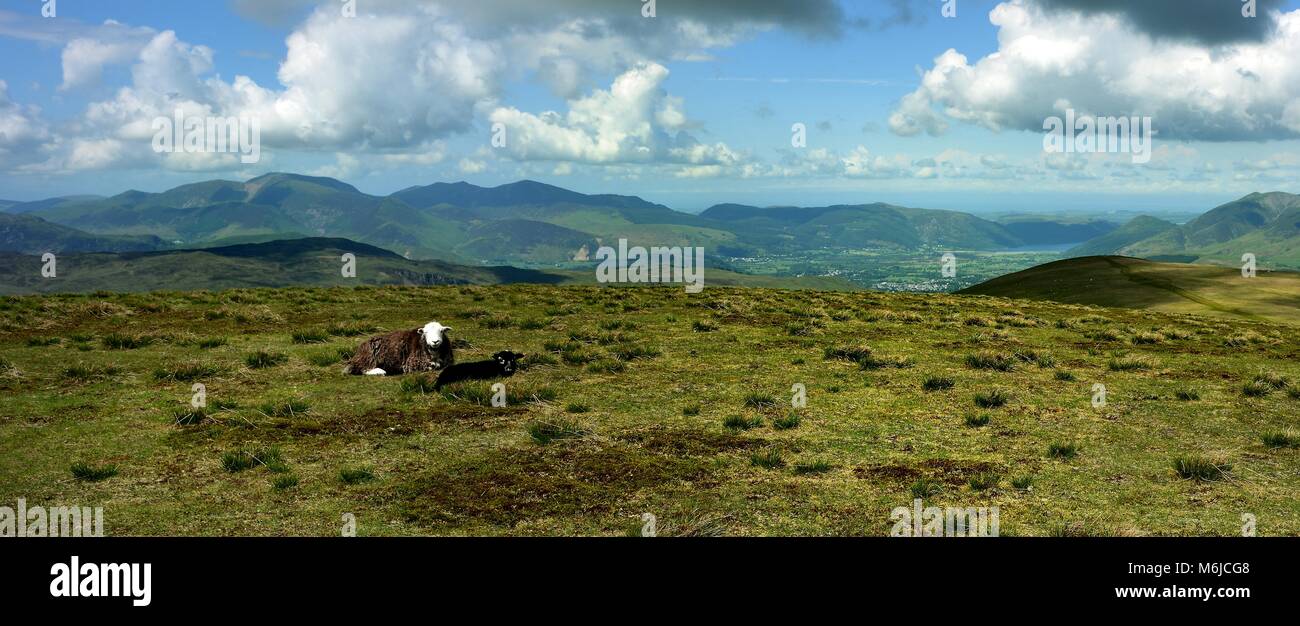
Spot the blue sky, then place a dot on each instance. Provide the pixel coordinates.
(689, 108)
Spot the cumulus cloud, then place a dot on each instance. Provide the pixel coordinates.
(22, 131)
(1100, 63)
(392, 84)
(1211, 22)
(634, 121)
(401, 76)
(567, 43)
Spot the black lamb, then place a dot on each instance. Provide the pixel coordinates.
(501, 364)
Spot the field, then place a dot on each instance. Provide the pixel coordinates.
(1169, 287)
(885, 270)
(646, 400)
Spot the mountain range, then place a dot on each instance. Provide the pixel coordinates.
(525, 223)
(1264, 224)
(308, 261)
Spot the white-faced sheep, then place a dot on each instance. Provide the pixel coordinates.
(419, 350)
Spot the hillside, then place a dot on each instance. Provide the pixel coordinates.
(26, 234)
(1169, 287)
(1264, 224)
(861, 226)
(963, 401)
(304, 262)
(1119, 240)
(299, 262)
(525, 223)
(1053, 230)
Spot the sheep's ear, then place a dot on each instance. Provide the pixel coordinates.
(520, 355)
(446, 328)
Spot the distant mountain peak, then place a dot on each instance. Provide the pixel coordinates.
(519, 193)
(271, 178)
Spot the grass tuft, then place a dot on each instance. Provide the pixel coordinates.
(983, 481)
(263, 359)
(1063, 450)
(740, 422)
(925, 487)
(1280, 439)
(788, 421)
(937, 383)
(356, 475)
(1200, 468)
(992, 399)
(769, 459)
(547, 431)
(93, 473)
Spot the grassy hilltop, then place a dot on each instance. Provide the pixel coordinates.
(646, 400)
(1169, 287)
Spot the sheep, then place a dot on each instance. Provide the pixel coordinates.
(501, 364)
(419, 350)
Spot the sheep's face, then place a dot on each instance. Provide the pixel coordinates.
(507, 360)
(434, 334)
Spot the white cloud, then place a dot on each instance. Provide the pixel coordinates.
(22, 131)
(634, 121)
(1100, 65)
(471, 166)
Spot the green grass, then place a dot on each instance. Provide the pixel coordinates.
(1063, 450)
(263, 359)
(93, 473)
(209, 343)
(813, 467)
(242, 459)
(976, 420)
(756, 400)
(310, 336)
(924, 488)
(992, 399)
(741, 422)
(991, 361)
(768, 459)
(675, 434)
(937, 383)
(1281, 439)
(1200, 468)
(287, 408)
(983, 481)
(120, 341)
(187, 372)
(1131, 363)
(548, 431)
(356, 475)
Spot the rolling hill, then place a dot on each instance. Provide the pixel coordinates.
(861, 226)
(314, 261)
(27, 234)
(1167, 287)
(307, 262)
(1264, 224)
(523, 223)
(1118, 241)
(1050, 230)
